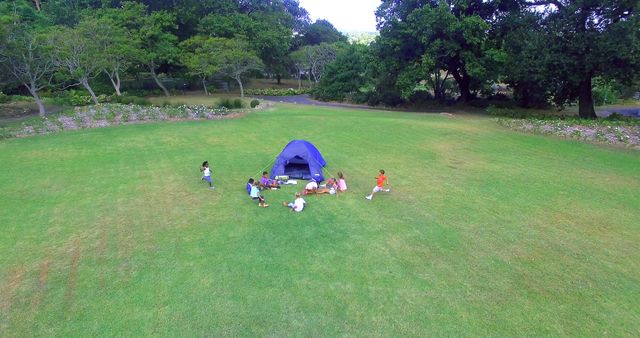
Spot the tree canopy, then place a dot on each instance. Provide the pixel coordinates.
(546, 51)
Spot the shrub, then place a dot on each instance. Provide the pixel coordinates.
(604, 91)
(225, 102)
(20, 98)
(255, 103)
(141, 101)
(125, 99)
(231, 104)
(238, 104)
(4, 98)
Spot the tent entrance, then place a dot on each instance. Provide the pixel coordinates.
(297, 168)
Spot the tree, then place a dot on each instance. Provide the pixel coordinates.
(233, 58)
(199, 56)
(319, 32)
(524, 44)
(589, 38)
(268, 27)
(300, 62)
(157, 43)
(451, 36)
(346, 76)
(27, 56)
(114, 47)
(317, 58)
(77, 53)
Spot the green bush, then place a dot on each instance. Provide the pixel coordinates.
(141, 101)
(255, 103)
(230, 104)
(225, 102)
(4, 98)
(20, 98)
(77, 99)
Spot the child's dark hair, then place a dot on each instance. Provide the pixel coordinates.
(205, 163)
(382, 171)
(340, 174)
(265, 172)
(250, 180)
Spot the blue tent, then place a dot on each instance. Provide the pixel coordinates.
(299, 159)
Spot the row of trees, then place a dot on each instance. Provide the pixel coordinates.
(545, 50)
(60, 44)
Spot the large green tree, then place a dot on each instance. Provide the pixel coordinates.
(77, 53)
(268, 26)
(233, 58)
(27, 56)
(434, 36)
(199, 55)
(318, 32)
(347, 76)
(589, 38)
(524, 43)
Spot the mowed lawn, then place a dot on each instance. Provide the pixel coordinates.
(110, 232)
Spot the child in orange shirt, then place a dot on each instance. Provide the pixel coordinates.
(381, 180)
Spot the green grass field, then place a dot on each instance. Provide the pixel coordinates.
(487, 232)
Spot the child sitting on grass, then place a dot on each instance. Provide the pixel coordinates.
(381, 180)
(266, 182)
(342, 184)
(331, 187)
(255, 193)
(297, 205)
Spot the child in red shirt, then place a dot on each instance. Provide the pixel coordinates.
(381, 180)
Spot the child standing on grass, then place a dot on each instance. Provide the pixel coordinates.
(206, 174)
(381, 180)
(255, 193)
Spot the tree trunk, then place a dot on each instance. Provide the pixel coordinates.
(115, 81)
(299, 80)
(85, 84)
(279, 78)
(152, 67)
(34, 93)
(585, 100)
(240, 84)
(464, 85)
(204, 85)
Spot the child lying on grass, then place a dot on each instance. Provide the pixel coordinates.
(311, 187)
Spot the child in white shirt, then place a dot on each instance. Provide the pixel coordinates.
(297, 205)
(206, 173)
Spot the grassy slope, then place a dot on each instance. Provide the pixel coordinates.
(486, 231)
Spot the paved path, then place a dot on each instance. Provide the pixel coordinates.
(305, 99)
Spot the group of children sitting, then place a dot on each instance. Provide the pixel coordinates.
(333, 186)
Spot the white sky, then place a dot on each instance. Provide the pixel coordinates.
(345, 15)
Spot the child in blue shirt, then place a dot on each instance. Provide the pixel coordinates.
(254, 192)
